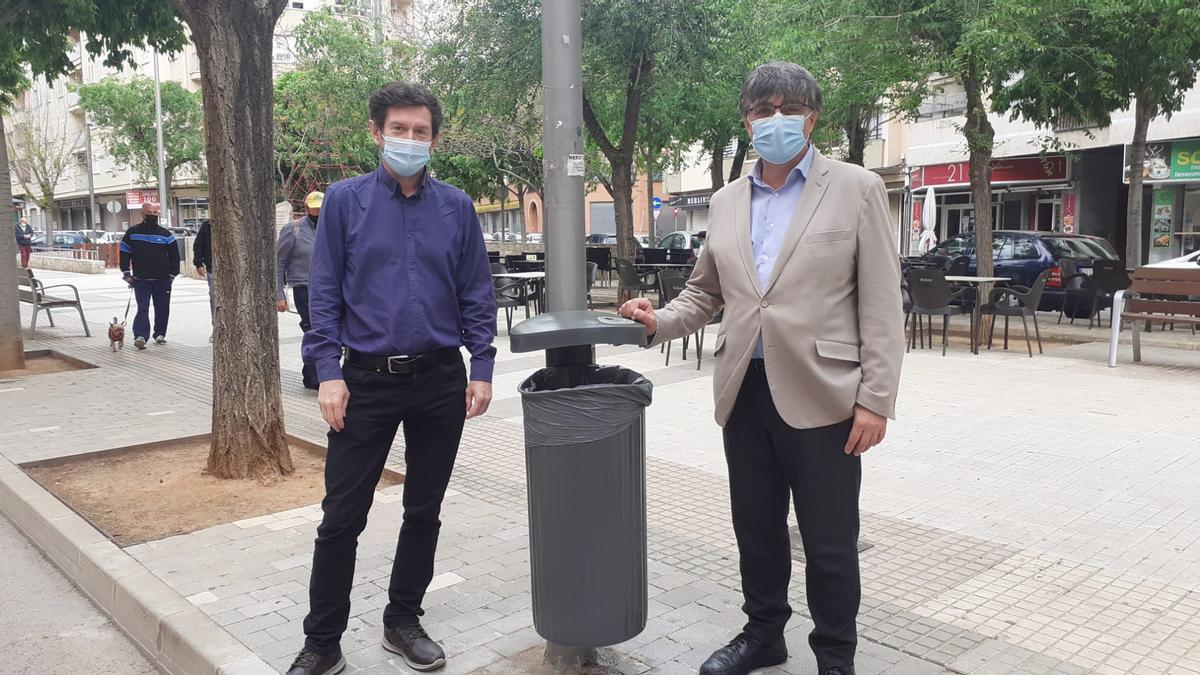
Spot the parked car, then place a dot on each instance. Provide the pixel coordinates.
(109, 238)
(62, 239)
(684, 240)
(1022, 255)
(487, 236)
(643, 240)
(533, 238)
(610, 239)
(1184, 262)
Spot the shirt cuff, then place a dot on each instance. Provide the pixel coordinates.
(329, 368)
(280, 295)
(481, 369)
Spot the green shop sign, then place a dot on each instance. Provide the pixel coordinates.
(1169, 162)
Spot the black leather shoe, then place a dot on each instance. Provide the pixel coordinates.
(745, 654)
(838, 670)
(311, 663)
(420, 652)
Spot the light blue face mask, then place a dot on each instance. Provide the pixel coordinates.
(404, 156)
(779, 138)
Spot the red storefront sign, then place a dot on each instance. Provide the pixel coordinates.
(917, 208)
(1017, 171)
(135, 198)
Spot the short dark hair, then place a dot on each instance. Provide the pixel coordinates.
(400, 94)
(779, 78)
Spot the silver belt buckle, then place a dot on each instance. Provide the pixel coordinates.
(403, 358)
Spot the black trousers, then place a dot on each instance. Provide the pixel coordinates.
(145, 291)
(309, 372)
(770, 462)
(431, 405)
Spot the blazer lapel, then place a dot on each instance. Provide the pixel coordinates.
(814, 190)
(741, 230)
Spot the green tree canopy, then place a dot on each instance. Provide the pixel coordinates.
(124, 116)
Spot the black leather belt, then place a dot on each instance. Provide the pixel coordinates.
(403, 364)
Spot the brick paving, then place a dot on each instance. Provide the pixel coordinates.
(1025, 515)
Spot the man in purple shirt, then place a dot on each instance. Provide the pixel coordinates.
(399, 282)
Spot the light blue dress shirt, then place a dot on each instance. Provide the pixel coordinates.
(771, 213)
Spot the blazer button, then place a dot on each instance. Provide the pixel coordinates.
(765, 303)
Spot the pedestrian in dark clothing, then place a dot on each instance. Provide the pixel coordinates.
(202, 261)
(293, 252)
(150, 262)
(24, 240)
(400, 281)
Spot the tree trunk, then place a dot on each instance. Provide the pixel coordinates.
(234, 41)
(980, 138)
(716, 162)
(1137, 155)
(622, 185)
(12, 349)
(521, 209)
(739, 158)
(856, 140)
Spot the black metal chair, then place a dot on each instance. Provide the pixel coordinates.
(590, 270)
(1076, 286)
(1107, 278)
(670, 284)
(932, 296)
(958, 266)
(1022, 302)
(602, 256)
(631, 281)
(510, 294)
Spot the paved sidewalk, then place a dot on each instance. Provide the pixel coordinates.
(48, 626)
(1025, 515)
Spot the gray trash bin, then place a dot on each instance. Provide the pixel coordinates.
(585, 461)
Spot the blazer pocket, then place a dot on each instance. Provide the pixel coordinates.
(720, 344)
(842, 351)
(827, 235)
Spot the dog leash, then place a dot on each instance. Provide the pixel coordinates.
(127, 304)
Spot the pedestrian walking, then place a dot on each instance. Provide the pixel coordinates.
(400, 280)
(800, 255)
(150, 263)
(293, 252)
(202, 261)
(24, 235)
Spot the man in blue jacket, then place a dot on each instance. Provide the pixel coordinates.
(150, 262)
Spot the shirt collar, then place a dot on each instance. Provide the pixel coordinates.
(393, 186)
(799, 172)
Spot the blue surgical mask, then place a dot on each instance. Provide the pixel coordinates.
(779, 138)
(405, 156)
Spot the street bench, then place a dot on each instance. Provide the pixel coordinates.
(1157, 294)
(30, 289)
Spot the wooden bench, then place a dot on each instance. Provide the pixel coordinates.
(31, 290)
(1157, 294)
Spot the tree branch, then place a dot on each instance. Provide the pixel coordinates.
(596, 131)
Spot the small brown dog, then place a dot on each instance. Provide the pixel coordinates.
(116, 335)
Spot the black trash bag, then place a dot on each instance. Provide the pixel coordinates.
(567, 405)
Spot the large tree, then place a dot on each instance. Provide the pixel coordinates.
(36, 38)
(630, 47)
(234, 40)
(123, 113)
(321, 106)
(40, 151)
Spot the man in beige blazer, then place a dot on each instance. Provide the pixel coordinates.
(800, 255)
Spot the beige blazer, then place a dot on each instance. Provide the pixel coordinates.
(830, 315)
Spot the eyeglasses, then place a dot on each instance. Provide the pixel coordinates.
(766, 110)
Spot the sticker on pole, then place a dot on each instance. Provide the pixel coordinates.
(575, 165)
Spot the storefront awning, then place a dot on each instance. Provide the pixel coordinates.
(1016, 171)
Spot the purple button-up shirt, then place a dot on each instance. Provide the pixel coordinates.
(395, 275)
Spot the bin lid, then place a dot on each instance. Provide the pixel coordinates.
(574, 328)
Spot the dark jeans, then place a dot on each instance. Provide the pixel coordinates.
(769, 462)
(300, 295)
(430, 405)
(145, 290)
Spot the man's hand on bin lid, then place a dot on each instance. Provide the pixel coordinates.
(641, 311)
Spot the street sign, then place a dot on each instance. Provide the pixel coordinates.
(656, 203)
(113, 206)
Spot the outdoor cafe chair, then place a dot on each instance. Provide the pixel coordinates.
(932, 296)
(1020, 301)
(510, 294)
(631, 281)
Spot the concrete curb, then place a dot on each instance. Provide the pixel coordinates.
(175, 635)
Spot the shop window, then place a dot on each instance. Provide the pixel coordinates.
(603, 218)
